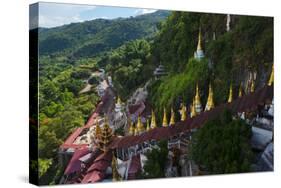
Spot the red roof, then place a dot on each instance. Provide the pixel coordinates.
(75, 164)
(94, 176)
(135, 166)
(246, 103)
(72, 137)
(104, 156)
(96, 172)
(69, 141)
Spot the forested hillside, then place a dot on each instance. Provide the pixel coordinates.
(89, 38)
(229, 56)
(68, 56)
(129, 49)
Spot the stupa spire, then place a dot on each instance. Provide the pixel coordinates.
(131, 127)
(172, 119)
(252, 89)
(240, 91)
(114, 165)
(183, 112)
(210, 102)
(119, 100)
(165, 122)
(147, 125)
(197, 102)
(199, 54)
(192, 109)
(153, 120)
(271, 79)
(199, 44)
(140, 126)
(230, 94)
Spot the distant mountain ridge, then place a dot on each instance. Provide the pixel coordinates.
(86, 39)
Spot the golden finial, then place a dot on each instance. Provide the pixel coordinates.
(183, 112)
(271, 79)
(165, 122)
(199, 46)
(240, 91)
(131, 129)
(114, 165)
(119, 100)
(140, 127)
(252, 86)
(153, 120)
(147, 125)
(197, 101)
(193, 111)
(230, 94)
(210, 102)
(172, 119)
(136, 131)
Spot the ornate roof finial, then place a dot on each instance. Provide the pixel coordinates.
(172, 119)
(210, 102)
(271, 79)
(230, 94)
(164, 122)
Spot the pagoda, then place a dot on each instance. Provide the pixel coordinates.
(118, 105)
(252, 89)
(271, 78)
(183, 112)
(240, 91)
(105, 138)
(114, 165)
(230, 97)
(199, 54)
(210, 102)
(165, 122)
(192, 109)
(197, 103)
(131, 127)
(147, 125)
(172, 119)
(153, 120)
(140, 127)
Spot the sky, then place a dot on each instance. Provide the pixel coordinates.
(56, 14)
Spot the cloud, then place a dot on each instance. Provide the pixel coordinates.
(47, 21)
(144, 11)
(56, 14)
